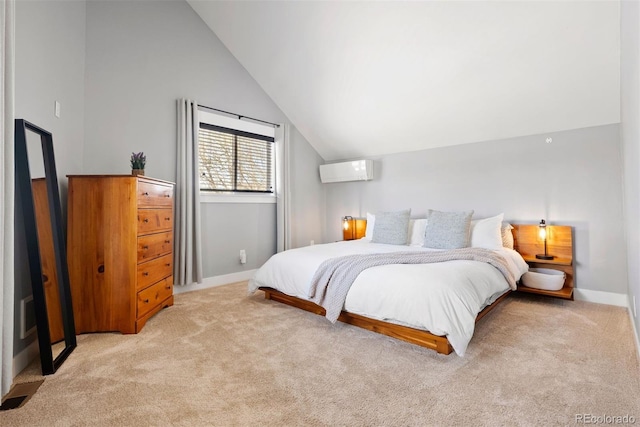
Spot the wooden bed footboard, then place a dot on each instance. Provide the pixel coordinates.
(420, 337)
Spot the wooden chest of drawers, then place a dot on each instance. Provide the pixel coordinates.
(120, 250)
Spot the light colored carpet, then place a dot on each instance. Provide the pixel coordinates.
(219, 357)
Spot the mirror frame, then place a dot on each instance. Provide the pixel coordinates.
(23, 185)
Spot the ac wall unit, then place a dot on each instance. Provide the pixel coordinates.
(356, 170)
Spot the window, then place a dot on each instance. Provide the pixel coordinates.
(234, 160)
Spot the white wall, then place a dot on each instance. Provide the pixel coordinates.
(141, 57)
(630, 134)
(50, 55)
(576, 180)
(308, 193)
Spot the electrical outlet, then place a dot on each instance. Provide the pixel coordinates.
(243, 256)
(311, 243)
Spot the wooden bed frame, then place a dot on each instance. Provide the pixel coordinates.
(526, 243)
(422, 338)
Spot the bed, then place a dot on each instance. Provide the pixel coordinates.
(434, 305)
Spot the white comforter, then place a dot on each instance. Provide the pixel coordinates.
(442, 298)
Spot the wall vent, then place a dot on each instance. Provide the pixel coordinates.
(27, 317)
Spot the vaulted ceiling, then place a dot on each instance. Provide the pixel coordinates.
(371, 78)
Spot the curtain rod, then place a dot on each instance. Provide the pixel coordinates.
(239, 116)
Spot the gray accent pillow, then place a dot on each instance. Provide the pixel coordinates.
(447, 230)
(392, 228)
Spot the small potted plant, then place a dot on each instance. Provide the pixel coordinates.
(138, 160)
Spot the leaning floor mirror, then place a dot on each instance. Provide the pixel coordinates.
(37, 184)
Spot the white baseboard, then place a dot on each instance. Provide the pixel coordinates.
(22, 359)
(214, 281)
(635, 330)
(600, 297)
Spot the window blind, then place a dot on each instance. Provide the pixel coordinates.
(234, 160)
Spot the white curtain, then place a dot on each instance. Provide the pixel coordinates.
(283, 188)
(188, 263)
(7, 69)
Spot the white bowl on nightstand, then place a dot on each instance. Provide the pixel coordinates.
(544, 278)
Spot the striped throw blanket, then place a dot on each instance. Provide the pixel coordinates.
(331, 282)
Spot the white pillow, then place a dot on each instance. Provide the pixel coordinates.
(416, 231)
(507, 235)
(486, 233)
(371, 220)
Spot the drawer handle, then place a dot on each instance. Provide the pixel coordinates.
(167, 287)
(145, 247)
(168, 264)
(145, 220)
(168, 195)
(145, 194)
(146, 301)
(167, 241)
(45, 278)
(167, 218)
(145, 273)
(101, 269)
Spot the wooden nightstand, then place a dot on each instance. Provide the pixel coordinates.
(353, 228)
(560, 244)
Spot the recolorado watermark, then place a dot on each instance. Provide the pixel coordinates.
(605, 419)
